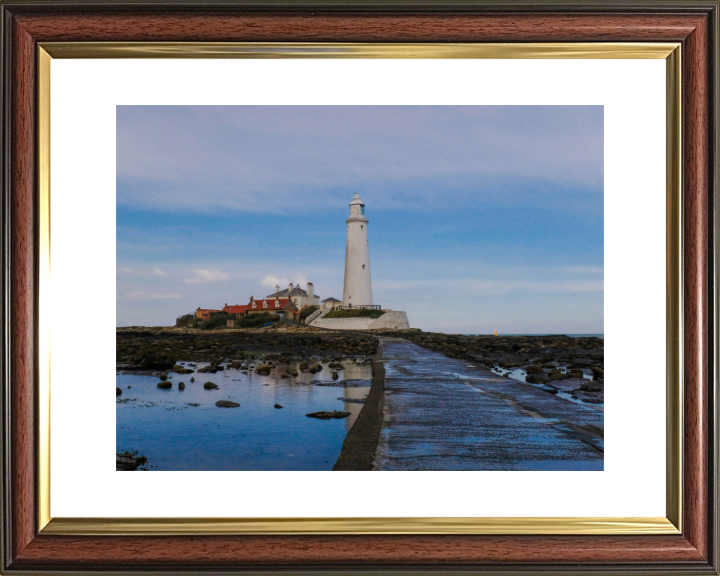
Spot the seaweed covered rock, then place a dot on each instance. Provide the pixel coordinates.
(328, 415)
(210, 386)
(226, 404)
(165, 385)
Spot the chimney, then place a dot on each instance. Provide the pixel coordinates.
(290, 287)
(277, 288)
(310, 293)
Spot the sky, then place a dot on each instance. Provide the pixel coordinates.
(481, 218)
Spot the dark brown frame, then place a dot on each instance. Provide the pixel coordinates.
(694, 23)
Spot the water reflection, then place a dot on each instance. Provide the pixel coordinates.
(184, 430)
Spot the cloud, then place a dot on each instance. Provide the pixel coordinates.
(143, 296)
(272, 281)
(583, 269)
(202, 276)
(159, 272)
(285, 159)
(124, 270)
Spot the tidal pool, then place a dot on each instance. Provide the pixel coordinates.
(184, 430)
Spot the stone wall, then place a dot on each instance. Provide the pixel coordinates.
(392, 319)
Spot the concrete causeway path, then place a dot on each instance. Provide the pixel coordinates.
(445, 414)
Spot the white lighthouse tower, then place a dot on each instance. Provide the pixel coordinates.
(357, 290)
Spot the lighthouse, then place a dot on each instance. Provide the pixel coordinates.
(357, 290)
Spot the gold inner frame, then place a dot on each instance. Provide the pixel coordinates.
(671, 524)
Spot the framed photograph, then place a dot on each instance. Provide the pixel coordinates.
(361, 270)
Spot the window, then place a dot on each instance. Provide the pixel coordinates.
(265, 304)
(363, 266)
(361, 226)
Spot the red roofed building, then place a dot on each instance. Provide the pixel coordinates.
(204, 313)
(237, 309)
(274, 305)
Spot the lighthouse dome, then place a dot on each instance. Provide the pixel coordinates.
(356, 200)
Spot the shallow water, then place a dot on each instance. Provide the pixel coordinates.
(184, 430)
(519, 374)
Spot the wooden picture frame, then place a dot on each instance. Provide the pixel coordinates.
(31, 545)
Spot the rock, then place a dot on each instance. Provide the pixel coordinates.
(537, 378)
(165, 385)
(590, 397)
(335, 376)
(326, 360)
(557, 376)
(226, 404)
(182, 370)
(352, 400)
(535, 369)
(153, 362)
(210, 386)
(206, 369)
(304, 366)
(236, 365)
(328, 415)
(284, 376)
(263, 370)
(598, 373)
(318, 368)
(128, 461)
(278, 406)
(594, 386)
(181, 386)
(292, 371)
(163, 376)
(118, 391)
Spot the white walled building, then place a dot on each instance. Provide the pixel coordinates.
(297, 295)
(357, 289)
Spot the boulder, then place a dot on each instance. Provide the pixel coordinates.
(181, 386)
(535, 369)
(165, 385)
(277, 406)
(292, 371)
(335, 376)
(210, 386)
(226, 404)
(155, 362)
(598, 373)
(263, 370)
(128, 461)
(118, 391)
(557, 376)
(328, 415)
(537, 378)
(192, 379)
(206, 369)
(304, 366)
(594, 386)
(284, 376)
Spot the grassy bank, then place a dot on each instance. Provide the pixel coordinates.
(359, 313)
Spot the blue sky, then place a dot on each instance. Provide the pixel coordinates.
(482, 218)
